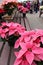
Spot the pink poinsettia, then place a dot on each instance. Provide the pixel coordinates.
(22, 60)
(11, 29)
(40, 32)
(28, 36)
(19, 7)
(16, 28)
(3, 30)
(2, 33)
(22, 9)
(30, 52)
(4, 24)
(30, 47)
(33, 36)
(38, 37)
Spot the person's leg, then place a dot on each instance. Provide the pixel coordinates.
(36, 10)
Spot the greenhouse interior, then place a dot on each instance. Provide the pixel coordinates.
(21, 32)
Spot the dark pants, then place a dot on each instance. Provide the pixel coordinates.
(36, 10)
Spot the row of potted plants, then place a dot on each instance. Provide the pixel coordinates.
(7, 9)
(10, 7)
(10, 32)
(30, 43)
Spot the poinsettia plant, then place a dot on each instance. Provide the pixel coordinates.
(9, 7)
(10, 32)
(31, 52)
(22, 9)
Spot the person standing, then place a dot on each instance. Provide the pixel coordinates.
(42, 2)
(41, 10)
(36, 7)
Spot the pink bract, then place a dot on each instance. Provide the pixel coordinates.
(22, 60)
(30, 46)
(11, 28)
(30, 51)
(28, 36)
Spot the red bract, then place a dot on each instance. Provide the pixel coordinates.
(1, 11)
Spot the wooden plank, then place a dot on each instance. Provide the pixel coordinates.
(19, 18)
(17, 15)
(1, 50)
(1, 43)
(22, 22)
(27, 24)
(13, 57)
(4, 55)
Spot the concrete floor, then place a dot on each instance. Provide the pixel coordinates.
(35, 21)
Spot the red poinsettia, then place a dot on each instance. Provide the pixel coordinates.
(2, 10)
